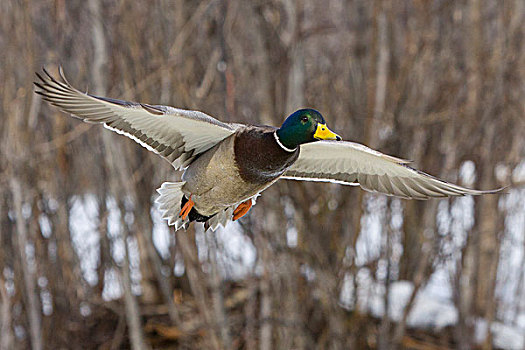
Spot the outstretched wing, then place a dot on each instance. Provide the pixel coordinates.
(177, 135)
(350, 163)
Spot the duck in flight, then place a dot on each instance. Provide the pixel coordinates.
(227, 165)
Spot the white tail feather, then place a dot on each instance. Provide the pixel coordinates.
(170, 203)
(223, 217)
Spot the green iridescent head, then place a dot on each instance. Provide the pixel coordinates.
(303, 126)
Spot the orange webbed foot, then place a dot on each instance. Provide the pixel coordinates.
(242, 209)
(184, 212)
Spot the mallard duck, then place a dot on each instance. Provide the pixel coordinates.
(227, 165)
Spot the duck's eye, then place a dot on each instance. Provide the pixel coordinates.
(304, 119)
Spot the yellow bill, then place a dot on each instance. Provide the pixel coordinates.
(323, 133)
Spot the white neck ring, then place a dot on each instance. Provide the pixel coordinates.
(280, 144)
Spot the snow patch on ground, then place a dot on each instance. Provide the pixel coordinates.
(503, 336)
(432, 309)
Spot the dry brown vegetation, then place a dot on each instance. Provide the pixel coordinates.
(438, 82)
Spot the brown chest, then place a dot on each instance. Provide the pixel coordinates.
(259, 158)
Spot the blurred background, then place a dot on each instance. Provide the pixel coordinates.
(87, 262)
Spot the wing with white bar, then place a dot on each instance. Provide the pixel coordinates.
(177, 135)
(350, 163)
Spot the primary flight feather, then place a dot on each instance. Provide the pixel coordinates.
(226, 166)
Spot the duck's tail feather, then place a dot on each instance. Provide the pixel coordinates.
(170, 203)
(221, 218)
(224, 216)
